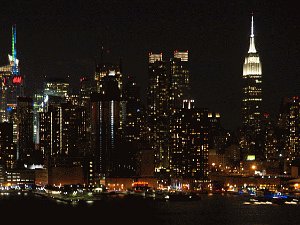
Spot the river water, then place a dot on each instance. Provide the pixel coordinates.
(210, 209)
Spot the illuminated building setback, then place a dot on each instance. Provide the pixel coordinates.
(252, 86)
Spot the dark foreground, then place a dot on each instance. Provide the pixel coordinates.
(213, 209)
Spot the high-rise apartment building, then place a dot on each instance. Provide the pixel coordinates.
(189, 143)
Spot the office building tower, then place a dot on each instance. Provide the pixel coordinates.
(106, 127)
(87, 87)
(132, 125)
(252, 86)
(56, 87)
(62, 131)
(12, 83)
(252, 99)
(38, 106)
(289, 122)
(269, 132)
(133, 114)
(189, 143)
(179, 79)
(158, 111)
(217, 135)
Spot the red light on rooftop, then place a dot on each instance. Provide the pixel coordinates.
(17, 80)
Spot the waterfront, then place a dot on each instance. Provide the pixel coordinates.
(211, 209)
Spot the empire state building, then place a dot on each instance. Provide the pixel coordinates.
(252, 88)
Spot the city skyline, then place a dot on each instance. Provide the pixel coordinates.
(105, 105)
(215, 34)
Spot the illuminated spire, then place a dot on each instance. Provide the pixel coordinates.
(252, 27)
(14, 50)
(14, 42)
(252, 44)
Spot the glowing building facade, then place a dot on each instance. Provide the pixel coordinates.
(252, 87)
(189, 143)
(12, 83)
(251, 141)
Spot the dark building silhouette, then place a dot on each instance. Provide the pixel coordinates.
(8, 152)
(24, 116)
(106, 127)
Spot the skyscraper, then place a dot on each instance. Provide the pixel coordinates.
(25, 128)
(62, 131)
(104, 69)
(289, 122)
(106, 126)
(252, 86)
(158, 111)
(133, 126)
(252, 96)
(179, 79)
(189, 143)
(12, 83)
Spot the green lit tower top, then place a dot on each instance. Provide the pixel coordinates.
(13, 57)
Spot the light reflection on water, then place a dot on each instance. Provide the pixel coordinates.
(212, 209)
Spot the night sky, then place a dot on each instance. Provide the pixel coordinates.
(63, 38)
